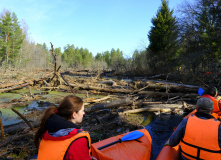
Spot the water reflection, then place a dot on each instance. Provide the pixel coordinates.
(9, 117)
(160, 130)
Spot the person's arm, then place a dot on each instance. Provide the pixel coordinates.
(78, 150)
(178, 134)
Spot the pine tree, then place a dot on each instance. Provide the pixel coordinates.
(6, 33)
(11, 37)
(163, 47)
(107, 58)
(209, 13)
(17, 39)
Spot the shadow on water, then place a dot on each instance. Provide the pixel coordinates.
(160, 130)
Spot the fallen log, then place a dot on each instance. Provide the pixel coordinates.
(154, 108)
(139, 110)
(164, 94)
(2, 129)
(110, 90)
(14, 138)
(19, 127)
(134, 92)
(24, 84)
(110, 83)
(93, 100)
(67, 83)
(5, 85)
(170, 87)
(116, 103)
(26, 121)
(151, 105)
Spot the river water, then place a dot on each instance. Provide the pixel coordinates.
(160, 130)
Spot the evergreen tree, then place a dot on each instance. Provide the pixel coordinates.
(6, 33)
(99, 57)
(11, 37)
(17, 39)
(116, 59)
(209, 13)
(163, 47)
(68, 55)
(201, 35)
(77, 58)
(87, 57)
(107, 58)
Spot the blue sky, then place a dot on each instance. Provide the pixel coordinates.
(98, 25)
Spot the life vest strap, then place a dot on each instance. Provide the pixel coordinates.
(197, 158)
(88, 145)
(200, 148)
(218, 111)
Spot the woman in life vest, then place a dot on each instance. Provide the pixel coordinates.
(59, 137)
(212, 93)
(199, 135)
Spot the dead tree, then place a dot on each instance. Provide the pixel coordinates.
(57, 78)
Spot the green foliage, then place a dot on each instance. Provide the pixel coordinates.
(22, 154)
(99, 57)
(201, 35)
(57, 51)
(139, 62)
(117, 59)
(163, 47)
(76, 57)
(114, 58)
(107, 57)
(11, 38)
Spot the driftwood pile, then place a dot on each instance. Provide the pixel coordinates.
(121, 98)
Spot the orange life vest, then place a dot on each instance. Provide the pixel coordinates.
(215, 102)
(201, 139)
(56, 150)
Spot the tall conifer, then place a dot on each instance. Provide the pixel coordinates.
(163, 47)
(11, 37)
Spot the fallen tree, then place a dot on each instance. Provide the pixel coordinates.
(116, 103)
(154, 108)
(110, 90)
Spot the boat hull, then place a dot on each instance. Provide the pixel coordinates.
(139, 149)
(169, 153)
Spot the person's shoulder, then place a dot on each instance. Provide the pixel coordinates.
(184, 122)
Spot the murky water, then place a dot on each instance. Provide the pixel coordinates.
(160, 130)
(9, 117)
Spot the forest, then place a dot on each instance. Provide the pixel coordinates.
(188, 41)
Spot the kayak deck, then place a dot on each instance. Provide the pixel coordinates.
(169, 153)
(139, 149)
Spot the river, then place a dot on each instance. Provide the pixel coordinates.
(160, 130)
